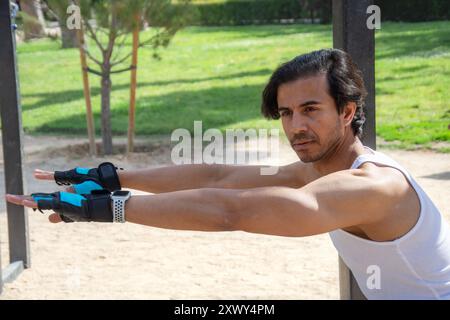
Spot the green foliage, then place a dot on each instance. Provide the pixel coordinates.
(161, 13)
(414, 10)
(241, 12)
(248, 12)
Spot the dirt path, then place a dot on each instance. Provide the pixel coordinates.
(85, 261)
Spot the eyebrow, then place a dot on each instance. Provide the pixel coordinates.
(304, 104)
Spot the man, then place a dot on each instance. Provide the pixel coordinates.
(376, 214)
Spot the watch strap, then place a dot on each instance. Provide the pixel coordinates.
(118, 207)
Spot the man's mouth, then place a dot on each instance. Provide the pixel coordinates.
(301, 145)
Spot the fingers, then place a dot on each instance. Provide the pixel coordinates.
(14, 199)
(49, 175)
(20, 200)
(54, 218)
(30, 204)
(43, 175)
(27, 201)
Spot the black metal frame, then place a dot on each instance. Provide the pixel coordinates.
(351, 34)
(19, 254)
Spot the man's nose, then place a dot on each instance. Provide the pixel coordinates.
(299, 122)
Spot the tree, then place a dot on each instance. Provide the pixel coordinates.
(33, 19)
(57, 9)
(317, 9)
(109, 23)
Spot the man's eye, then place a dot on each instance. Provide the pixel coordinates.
(309, 109)
(284, 113)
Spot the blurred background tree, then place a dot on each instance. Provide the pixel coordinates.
(108, 24)
(57, 10)
(33, 19)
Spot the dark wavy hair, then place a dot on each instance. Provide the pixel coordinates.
(345, 82)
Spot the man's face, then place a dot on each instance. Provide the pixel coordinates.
(309, 117)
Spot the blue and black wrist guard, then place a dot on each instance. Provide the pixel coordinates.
(103, 177)
(73, 207)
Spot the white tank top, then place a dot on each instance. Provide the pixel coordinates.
(414, 266)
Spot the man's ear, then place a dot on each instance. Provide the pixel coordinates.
(349, 112)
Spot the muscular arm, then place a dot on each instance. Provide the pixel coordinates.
(194, 176)
(335, 201)
(342, 199)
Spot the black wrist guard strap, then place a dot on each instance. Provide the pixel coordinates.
(107, 173)
(105, 176)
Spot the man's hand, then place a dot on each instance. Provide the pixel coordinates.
(85, 180)
(69, 207)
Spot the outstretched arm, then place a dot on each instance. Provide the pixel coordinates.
(195, 176)
(339, 200)
(331, 202)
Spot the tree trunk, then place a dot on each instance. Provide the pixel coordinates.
(106, 111)
(33, 19)
(68, 37)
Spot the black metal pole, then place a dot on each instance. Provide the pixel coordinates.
(12, 137)
(351, 34)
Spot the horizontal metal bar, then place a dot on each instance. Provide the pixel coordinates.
(12, 271)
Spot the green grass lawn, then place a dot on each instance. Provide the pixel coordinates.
(217, 74)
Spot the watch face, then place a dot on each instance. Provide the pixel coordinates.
(121, 193)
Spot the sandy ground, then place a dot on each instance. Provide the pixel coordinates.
(103, 261)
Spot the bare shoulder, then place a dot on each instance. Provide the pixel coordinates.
(400, 204)
(386, 183)
(390, 179)
(369, 192)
